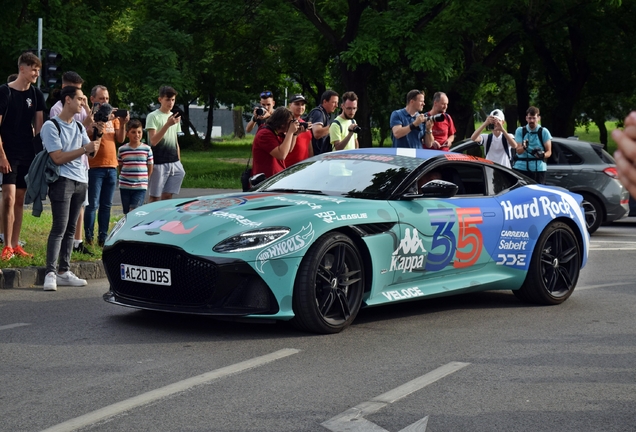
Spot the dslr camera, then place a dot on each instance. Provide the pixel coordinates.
(436, 117)
(102, 113)
(357, 129)
(259, 111)
(538, 153)
(303, 126)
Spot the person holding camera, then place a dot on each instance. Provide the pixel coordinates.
(163, 126)
(303, 148)
(410, 128)
(102, 175)
(261, 113)
(534, 145)
(66, 143)
(499, 142)
(273, 142)
(443, 126)
(343, 132)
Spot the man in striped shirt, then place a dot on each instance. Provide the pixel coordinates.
(135, 166)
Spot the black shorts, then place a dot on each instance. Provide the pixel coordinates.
(19, 170)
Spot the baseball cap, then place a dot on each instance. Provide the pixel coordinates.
(296, 98)
(498, 114)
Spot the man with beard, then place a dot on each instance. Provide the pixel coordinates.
(21, 116)
(342, 130)
(534, 145)
(303, 148)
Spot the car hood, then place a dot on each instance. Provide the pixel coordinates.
(200, 223)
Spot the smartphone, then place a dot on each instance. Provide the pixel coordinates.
(95, 107)
(176, 112)
(121, 113)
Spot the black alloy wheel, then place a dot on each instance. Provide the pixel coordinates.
(554, 268)
(329, 285)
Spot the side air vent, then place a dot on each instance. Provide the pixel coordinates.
(272, 207)
(373, 229)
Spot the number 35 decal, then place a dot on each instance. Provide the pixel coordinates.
(466, 249)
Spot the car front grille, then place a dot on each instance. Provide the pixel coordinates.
(198, 285)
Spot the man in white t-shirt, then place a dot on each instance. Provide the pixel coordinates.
(499, 143)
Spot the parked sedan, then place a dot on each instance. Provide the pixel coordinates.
(584, 168)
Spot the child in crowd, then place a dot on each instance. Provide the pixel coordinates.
(135, 166)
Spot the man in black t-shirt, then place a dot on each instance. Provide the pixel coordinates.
(21, 116)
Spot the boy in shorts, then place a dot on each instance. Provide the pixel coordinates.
(163, 127)
(135, 166)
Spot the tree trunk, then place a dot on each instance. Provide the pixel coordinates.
(210, 120)
(237, 117)
(602, 130)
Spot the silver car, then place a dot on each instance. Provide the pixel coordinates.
(584, 168)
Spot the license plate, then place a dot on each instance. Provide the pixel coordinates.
(147, 275)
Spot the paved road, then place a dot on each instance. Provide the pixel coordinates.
(479, 362)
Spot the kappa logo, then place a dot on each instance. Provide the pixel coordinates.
(285, 246)
(408, 246)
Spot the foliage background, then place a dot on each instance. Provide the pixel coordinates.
(575, 59)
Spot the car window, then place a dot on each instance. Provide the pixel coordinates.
(567, 155)
(605, 156)
(499, 181)
(469, 178)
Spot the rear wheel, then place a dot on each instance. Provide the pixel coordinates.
(329, 285)
(554, 268)
(593, 213)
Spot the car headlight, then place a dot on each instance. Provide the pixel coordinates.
(117, 227)
(251, 240)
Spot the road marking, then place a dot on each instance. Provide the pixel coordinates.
(178, 387)
(10, 326)
(352, 420)
(614, 284)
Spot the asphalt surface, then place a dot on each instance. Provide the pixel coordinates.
(70, 361)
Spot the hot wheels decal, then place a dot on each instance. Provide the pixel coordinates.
(285, 246)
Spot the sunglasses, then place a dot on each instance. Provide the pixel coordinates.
(266, 94)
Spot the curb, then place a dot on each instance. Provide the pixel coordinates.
(28, 277)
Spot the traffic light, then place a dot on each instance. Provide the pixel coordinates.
(52, 75)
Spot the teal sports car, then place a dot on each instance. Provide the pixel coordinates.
(350, 229)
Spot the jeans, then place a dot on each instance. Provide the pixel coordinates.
(102, 183)
(132, 198)
(67, 197)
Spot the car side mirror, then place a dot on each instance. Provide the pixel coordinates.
(435, 189)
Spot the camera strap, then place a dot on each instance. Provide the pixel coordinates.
(539, 134)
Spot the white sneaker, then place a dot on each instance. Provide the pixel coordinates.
(69, 279)
(50, 282)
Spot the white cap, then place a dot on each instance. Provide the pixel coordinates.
(498, 114)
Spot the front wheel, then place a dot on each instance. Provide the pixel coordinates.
(329, 285)
(554, 268)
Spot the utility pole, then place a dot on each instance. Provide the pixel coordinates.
(40, 47)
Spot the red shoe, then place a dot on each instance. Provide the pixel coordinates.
(7, 253)
(18, 251)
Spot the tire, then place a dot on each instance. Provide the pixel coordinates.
(329, 285)
(593, 213)
(554, 268)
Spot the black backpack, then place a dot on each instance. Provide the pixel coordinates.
(505, 146)
(37, 139)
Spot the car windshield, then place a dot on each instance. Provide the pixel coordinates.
(357, 175)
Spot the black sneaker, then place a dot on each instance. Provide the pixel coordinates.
(82, 249)
(100, 243)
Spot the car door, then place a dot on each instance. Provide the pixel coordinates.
(447, 237)
(564, 166)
